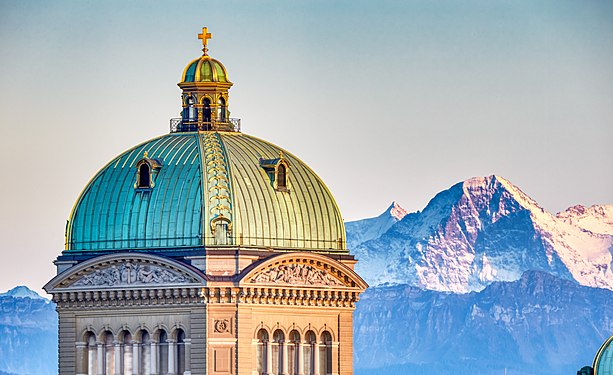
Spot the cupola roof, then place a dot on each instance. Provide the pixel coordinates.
(205, 68)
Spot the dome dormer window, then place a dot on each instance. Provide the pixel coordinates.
(144, 176)
(281, 176)
(145, 170)
(277, 170)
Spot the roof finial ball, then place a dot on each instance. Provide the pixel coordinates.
(205, 36)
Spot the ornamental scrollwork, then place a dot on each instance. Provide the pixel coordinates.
(129, 273)
(297, 274)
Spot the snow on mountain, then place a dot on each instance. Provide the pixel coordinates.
(596, 219)
(483, 230)
(367, 229)
(22, 292)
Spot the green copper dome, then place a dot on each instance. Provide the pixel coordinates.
(211, 189)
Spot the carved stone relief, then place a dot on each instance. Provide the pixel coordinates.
(222, 325)
(130, 273)
(297, 274)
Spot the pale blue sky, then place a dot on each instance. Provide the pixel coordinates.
(386, 100)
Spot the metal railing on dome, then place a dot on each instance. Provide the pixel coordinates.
(181, 125)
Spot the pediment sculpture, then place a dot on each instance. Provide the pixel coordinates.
(297, 274)
(131, 273)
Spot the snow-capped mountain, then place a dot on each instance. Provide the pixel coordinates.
(367, 229)
(22, 291)
(484, 230)
(28, 344)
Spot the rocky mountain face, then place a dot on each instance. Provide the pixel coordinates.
(483, 280)
(539, 324)
(480, 231)
(28, 333)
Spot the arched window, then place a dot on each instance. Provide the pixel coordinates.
(325, 354)
(145, 353)
(162, 355)
(281, 176)
(126, 354)
(109, 353)
(277, 352)
(309, 353)
(292, 352)
(221, 110)
(92, 355)
(144, 176)
(262, 352)
(191, 110)
(180, 352)
(206, 111)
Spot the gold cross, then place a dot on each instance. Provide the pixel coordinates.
(205, 36)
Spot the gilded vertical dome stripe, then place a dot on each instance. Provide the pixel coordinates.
(217, 181)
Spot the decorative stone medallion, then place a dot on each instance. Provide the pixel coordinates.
(222, 326)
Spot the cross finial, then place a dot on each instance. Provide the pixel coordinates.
(205, 36)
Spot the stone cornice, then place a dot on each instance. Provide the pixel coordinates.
(256, 295)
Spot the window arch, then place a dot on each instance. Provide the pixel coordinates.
(109, 353)
(309, 352)
(126, 352)
(262, 352)
(325, 353)
(281, 176)
(278, 338)
(180, 351)
(92, 355)
(191, 109)
(145, 353)
(144, 176)
(162, 353)
(206, 113)
(293, 346)
(221, 109)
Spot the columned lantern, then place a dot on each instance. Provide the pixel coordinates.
(205, 251)
(205, 86)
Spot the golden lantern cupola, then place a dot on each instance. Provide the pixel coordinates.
(204, 96)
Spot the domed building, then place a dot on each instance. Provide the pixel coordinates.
(205, 251)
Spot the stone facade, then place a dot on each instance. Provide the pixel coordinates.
(281, 314)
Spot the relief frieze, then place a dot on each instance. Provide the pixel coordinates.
(131, 273)
(297, 274)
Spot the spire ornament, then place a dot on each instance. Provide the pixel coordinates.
(205, 36)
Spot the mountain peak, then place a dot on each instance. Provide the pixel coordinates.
(22, 291)
(396, 211)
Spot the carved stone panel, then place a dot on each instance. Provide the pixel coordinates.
(131, 273)
(297, 274)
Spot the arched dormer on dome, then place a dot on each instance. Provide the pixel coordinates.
(205, 85)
